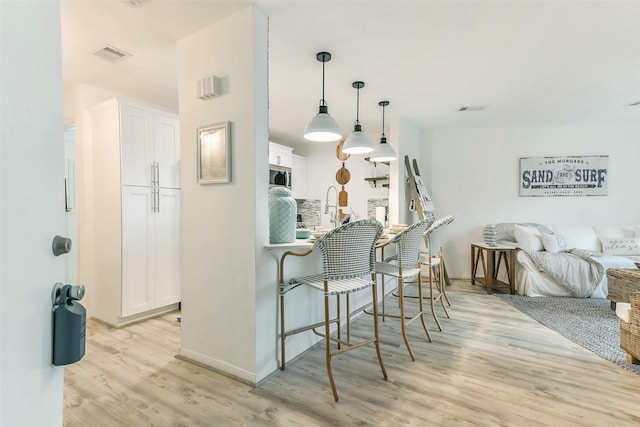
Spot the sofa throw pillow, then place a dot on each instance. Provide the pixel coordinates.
(553, 243)
(624, 247)
(529, 237)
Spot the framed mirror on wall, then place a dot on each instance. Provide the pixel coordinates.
(214, 153)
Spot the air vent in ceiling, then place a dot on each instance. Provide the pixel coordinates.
(112, 54)
(473, 108)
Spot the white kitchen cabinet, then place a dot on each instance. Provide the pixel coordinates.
(299, 177)
(150, 148)
(134, 215)
(150, 248)
(280, 155)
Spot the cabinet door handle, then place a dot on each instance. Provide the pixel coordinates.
(155, 174)
(158, 201)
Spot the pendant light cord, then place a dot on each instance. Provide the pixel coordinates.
(358, 106)
(322, 101)
(383, 104)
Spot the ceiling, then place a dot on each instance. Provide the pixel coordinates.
(530, 63)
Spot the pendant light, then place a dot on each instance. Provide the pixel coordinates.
(358, 142)
(383, 152)
(323, 127)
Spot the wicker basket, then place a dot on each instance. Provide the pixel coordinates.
(621, 282)
(630, 332)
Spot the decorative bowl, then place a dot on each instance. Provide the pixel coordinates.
(303, 233)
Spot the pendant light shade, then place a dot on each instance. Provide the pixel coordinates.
(358, 142)
(383, 152)
(323, 127)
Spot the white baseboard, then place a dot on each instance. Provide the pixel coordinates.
(218, 366)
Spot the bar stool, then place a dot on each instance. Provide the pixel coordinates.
(405, 265)
(433, 259)
(348, 265)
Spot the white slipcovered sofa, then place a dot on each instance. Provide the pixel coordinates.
(569, 260)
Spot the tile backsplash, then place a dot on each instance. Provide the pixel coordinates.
(311, 208)
(310, 211)
(372, 204)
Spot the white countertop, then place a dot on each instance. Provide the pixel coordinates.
(308, 243)
(298, 244)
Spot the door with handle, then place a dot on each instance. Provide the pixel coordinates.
(33, 211)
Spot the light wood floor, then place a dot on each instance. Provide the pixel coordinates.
(491, 366)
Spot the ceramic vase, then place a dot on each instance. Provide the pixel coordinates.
(490, 235)
(282, 216)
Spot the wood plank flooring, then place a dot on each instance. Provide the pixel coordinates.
(490, 366)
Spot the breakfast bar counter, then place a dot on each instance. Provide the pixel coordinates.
(298, 244)
(306, 305)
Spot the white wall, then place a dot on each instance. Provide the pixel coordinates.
(474, 175)
(32, 210)
(409, 139)
(83, 96)
(224, 225)
(76, 100)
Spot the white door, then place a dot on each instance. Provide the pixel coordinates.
(136, 140)
(138, 290)
(166, 148)
(31, 211)
(167, 247)
(150, 248)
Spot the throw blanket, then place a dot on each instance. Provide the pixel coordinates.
(579, 270)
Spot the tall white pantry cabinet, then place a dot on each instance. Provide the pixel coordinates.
(136, 211)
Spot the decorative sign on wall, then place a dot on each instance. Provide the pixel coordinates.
(564, 176)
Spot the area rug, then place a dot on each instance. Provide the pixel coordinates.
(585, 321)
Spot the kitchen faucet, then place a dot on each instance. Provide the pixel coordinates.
(317, 213)
(334, 219)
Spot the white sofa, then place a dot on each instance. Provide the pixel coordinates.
(619, 246)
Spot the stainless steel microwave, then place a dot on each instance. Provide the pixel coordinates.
(279, 176)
